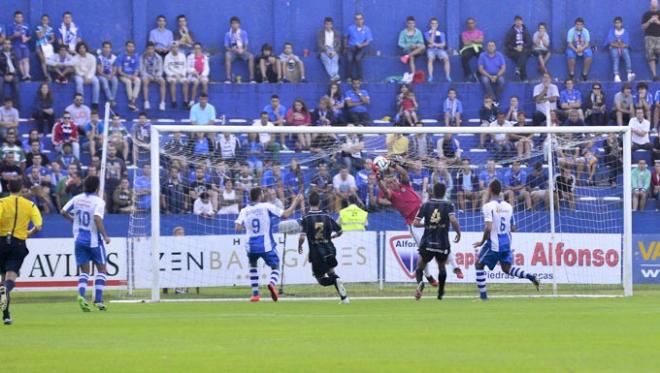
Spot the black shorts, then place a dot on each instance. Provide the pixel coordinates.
(323, 260)
(439, 255)
(12, 254)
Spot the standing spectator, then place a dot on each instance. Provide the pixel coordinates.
(276, 115)
(254, 153)
(43, 113)
(485, 177)
(44, 44)
(323, 115)
(228, 146)
(570, 99)
(640, 128)
(106, 73)
(161, 37)
(61, 65)
(115, 171)
(269, 70)
(411, 42)
(356, 101)
(198, 71)
(523, 142)
(123, 198)
(236, 46)
(501, 145)
(69, 35)
(176, 71)
(655, 183)
(573, 119)
(229, 200)
(174, 196)
(537, 184)
(442, 175)
(68, 186)
(298, 115)
(643, 99)
(624, 107)
(546, 95)
(351, 152)
(344, 184)
(472, 40)
(203, 113)
(84, 65)
(141, 136)
(515, 180)
(518, 46)
(9, 117)
(118, 136)
(491, 69)
(151, 71)
(142, 191)
(328, 44)
(436, 48)
(596, 107)
(541, 47)
(467, 186)
(321, 183)
(266, 139)
(514, 109)
(565, 188)
(127, 68)
(578, 45)
(651, 27)
(420, 145)
(19, 34)
(80, 113)
(618, 40)
(183, 36)
(419, 178)
(453, 109)
(641, 183)
(8, 71)
(358, 38)
(94, 132)
(66, 132)
(292, 67)
(449, 149)
(487, 114)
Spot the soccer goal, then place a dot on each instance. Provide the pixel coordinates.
(570, 188)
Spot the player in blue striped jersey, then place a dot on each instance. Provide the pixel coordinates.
(85, 211)
(255, 218)
(496, 241)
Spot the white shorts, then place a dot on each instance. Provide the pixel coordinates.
(177, 79)
(201, 79)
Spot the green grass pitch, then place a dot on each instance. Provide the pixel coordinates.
(554, 335)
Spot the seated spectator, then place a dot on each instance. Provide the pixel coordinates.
(491, 71)
(589, 156)
(449, 149)
(565, 188)
(245, 181)
(141, 136)
(61, 65)
(537, 184)
(570, 99)
(613, 148)
(269, 69)
(501, 144)
(9, 170)
(294, 182)
(115, 170)
(487, 114)
(407, 105)
(236, 46)
(183, 36)
(357, 40)
(643, 99)
(9, 117)
(11, 144)
(202, 113)
(441, 175)
(84, 64)
(541, 47)
(277, 115)
(472, 40)
(66, 132)
(203, 206)
(322, 184)
(467, 186)
(351, 152)
(151, 71)
(292, 67)
(344, 185)
(324, 150)
(518, 46)
(198, 71)
(337, 102)
(596, 107)
(323, 115)
(656, 149)
(640, 128)
(203, 183)
(44, 43)
(33, 135)
(515, 181)
(106, 73)
(9, 71)
(228, 147)
(436, 48)
(161, 37)
(356, 101)
(174, 193)
(573, 119)
(123, 198)
(229, 200)
(19, 34)
(94, 132)
(411, 43)
(80, 113)
(453, 109)
(118, 136)
(69, 34)
(127, 68)
(419, 178)
(142, 185)
(624, 107)
(68, 186)
(513, 110)
(43, 113)
(254, 153)
(298, 115)
(523, 142)
(420, 145)
(176, 72)
(655, 183)
(35, 151)
(641, 183)
(266, 139)
(66, 157)
(37, 179)
(578, 46)
(546, 96)
(397, 144)
(328, 44)
(618, 40)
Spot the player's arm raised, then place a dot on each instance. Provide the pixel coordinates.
(403, 174)
(288, 212)
(383, 188)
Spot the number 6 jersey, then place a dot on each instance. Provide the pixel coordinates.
(256, 219)
(83, 208)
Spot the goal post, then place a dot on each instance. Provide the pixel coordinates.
(605, 213)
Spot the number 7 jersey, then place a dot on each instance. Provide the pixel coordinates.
(500, 213)
(84, 207)
(256, 219)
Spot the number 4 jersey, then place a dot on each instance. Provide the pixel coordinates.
(435, 214)
(84, 207)
(256, 219)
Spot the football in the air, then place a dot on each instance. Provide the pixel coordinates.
(381, 163)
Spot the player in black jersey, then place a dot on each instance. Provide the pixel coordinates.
(320, 230)
(437, 215)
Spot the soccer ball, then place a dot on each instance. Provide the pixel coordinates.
(381, 163)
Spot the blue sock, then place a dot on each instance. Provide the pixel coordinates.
(82, 284)
(254, 281)
(517, 272)
(481, 283)
(99, 285)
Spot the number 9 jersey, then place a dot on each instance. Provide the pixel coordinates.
(500, 213)
(83, 208)
(256, 218)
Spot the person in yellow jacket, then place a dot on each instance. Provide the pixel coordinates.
(352, 217)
